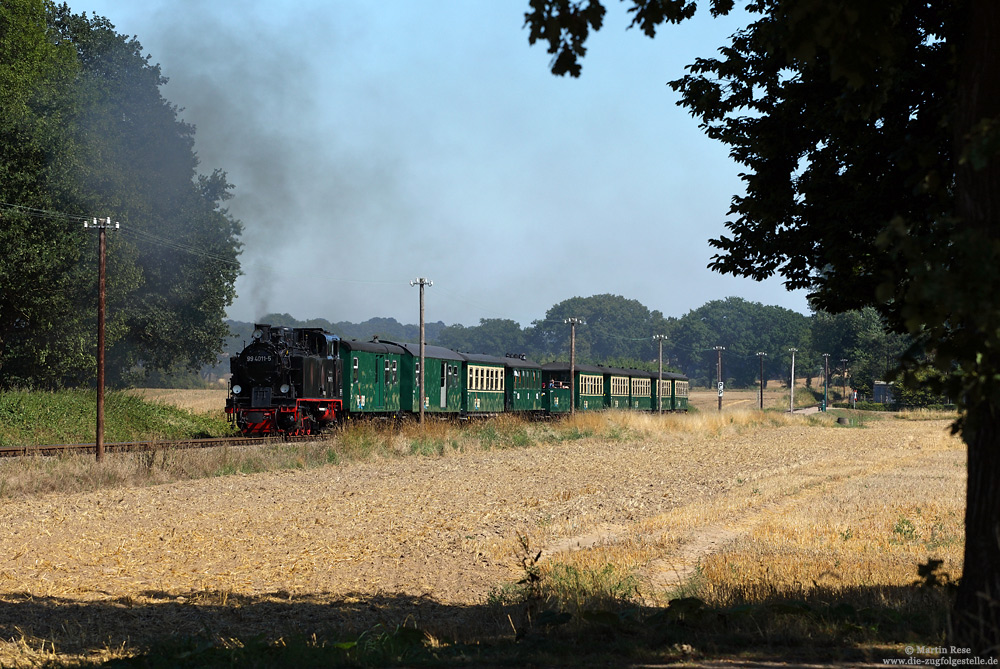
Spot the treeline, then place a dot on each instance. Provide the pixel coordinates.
(619, 332)
(85, 133)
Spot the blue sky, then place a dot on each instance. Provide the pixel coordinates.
(375, 142)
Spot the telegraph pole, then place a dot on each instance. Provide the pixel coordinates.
(761, 354)
(826, 377)
(843, 378)
(791, 394)
(718, 372)
(573, 322)
(421, 281)
(102, 246)
(659, 384)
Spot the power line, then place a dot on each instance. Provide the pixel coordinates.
(178, 245)
(175, 244)
(35, 212)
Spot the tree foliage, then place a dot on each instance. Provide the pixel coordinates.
(493, 336)
(40, 265)
(860, 337)
(85, 132)
(615, 327)
(744, 329)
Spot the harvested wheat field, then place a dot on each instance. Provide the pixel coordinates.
(208, 400)
(775, 500)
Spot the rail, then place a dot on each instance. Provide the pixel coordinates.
(140, 446)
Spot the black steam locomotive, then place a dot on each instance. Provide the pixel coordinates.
(287, 380)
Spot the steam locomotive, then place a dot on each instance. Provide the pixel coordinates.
(302, 380)
(287, 380)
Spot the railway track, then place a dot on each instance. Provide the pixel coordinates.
(139, 446)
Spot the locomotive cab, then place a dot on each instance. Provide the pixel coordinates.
(317, 372)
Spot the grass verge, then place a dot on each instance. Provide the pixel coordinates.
(29, 418)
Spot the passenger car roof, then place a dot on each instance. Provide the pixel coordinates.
(438, 352)
(564, 367)
(371, 346)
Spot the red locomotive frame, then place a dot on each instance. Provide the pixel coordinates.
(307, 416)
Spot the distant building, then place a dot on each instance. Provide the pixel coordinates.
(882, 393)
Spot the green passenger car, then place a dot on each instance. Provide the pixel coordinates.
(371, 378)
(679, 386)
(642, 389)
(555, 394)
(590, 390)
(664, 400)
(588, 386)
(483, 385)
(523, 380)
(617, 388)
(675, 392)
(442, 379)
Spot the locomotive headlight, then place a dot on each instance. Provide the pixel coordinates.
(237, 389)
(284, 388)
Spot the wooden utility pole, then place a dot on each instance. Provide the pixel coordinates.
(826, 378)
(659, 383)
(761, 354)
(421, 281)
(791, 394)
(102, 245)
(573, 322)
(718, 372)
(843, 378)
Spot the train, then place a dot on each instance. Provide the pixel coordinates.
(300, 381)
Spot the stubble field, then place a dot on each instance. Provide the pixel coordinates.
(728, 506)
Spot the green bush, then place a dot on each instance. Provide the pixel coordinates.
(32, 418)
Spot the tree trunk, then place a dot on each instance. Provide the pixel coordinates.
(976, 617)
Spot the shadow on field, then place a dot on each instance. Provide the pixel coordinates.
(279, 629)
(204, 624)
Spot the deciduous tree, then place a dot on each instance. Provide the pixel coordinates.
(138, 162)
(616, 327)
(493, 336)
(85, 132)
(861, 337)
(744, 328)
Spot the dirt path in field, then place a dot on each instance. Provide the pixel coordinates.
(266, 551)
(733, 515)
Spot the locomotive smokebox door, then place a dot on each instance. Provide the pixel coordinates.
(261, 397)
